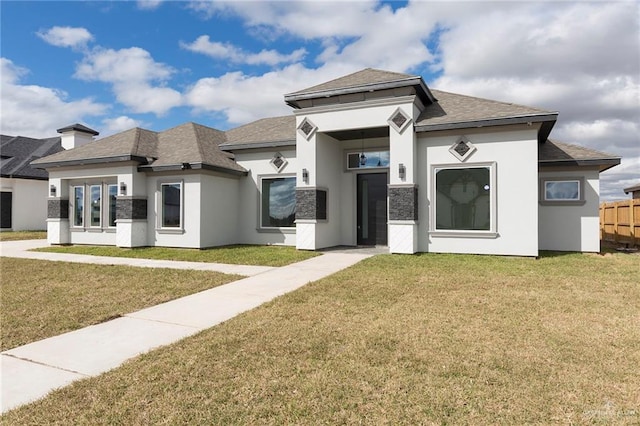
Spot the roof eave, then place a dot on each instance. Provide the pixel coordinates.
(191, 166)
(292, 99)
(230, 147)
(602, 163)
(88, 161)
(23, 177)
(534, 118)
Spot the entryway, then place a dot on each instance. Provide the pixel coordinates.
(372, 209)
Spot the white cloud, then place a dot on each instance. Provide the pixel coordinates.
(36, 111)
(118, 124)
(66, 36)
(227, 51)
(149, 4)
(131, 72)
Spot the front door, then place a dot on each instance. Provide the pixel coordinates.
(372, 209)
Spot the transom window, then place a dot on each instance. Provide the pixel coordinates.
(464, 198)
(278, 202)
(367, 159)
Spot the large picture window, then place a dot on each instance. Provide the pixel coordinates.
(278, 204)
(78, 206)
(171, 205)
(95, 203)
(113, 194)
(464, 198)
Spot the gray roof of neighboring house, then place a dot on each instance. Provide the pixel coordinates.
(189, 145)
(633, 188)
(17, 152)
(554, 153)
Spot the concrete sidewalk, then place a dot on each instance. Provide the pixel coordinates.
(31, 371)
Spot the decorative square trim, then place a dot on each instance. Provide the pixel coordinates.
(278, 162)
(462, 149)
(307, 128)
(399, 120)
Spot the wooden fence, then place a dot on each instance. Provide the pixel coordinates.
(620, 222)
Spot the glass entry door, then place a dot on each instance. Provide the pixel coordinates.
(372, 209)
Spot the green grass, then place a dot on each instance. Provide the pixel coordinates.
(236, 254)
(42, 299)
(23, 235)
(425, 339)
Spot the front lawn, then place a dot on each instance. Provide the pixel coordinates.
(23, 235)
(424, 339)
(42, 299)
(236, 254)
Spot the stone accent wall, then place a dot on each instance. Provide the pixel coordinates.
(57, 208)
(403, 203)
(311, 204)
(131, 208)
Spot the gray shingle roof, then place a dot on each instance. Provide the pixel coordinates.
(452, 108)
(267, 132)
(18, 151)
(188, 143)
(555, 153)
(367, 76)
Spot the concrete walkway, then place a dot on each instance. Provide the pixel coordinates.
(31, 371)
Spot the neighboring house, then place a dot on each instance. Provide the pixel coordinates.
(25, 189)
(372, 158)
(634, 190)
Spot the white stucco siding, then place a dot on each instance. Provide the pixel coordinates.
(28, 204)
(248, 213)
(220, 206)
(513, 155)
(572, 227)
(330, 168)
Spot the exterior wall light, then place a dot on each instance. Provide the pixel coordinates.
(305, 175)
(52, 190)
(402, 171)
(123, 188)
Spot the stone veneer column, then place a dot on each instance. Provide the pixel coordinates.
(403, 218)
(131, 221)
(311, 206)
(58, 221)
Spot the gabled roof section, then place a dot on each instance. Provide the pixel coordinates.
(18, 151)
(265, 133)
(193, 146)
(79, 128)
(454, 111)
(366, 80)
(132, 145)
(553, 153)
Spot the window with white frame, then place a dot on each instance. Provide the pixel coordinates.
(562, 191)
(95, 206)
(171, 194)
(464, 198)
(112, 191)
(278, 202)
(78, 206)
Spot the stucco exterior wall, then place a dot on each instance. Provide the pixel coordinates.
(257, 162)
(514, 152)
(29, 203)
(572, 227)
(220, 205)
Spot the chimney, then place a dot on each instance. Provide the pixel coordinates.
(76, 135)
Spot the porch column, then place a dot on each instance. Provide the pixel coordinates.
(403, 189)
(58, 212)
(306, 195)
(131, 210)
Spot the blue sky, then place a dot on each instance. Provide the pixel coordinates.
(156, 64)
